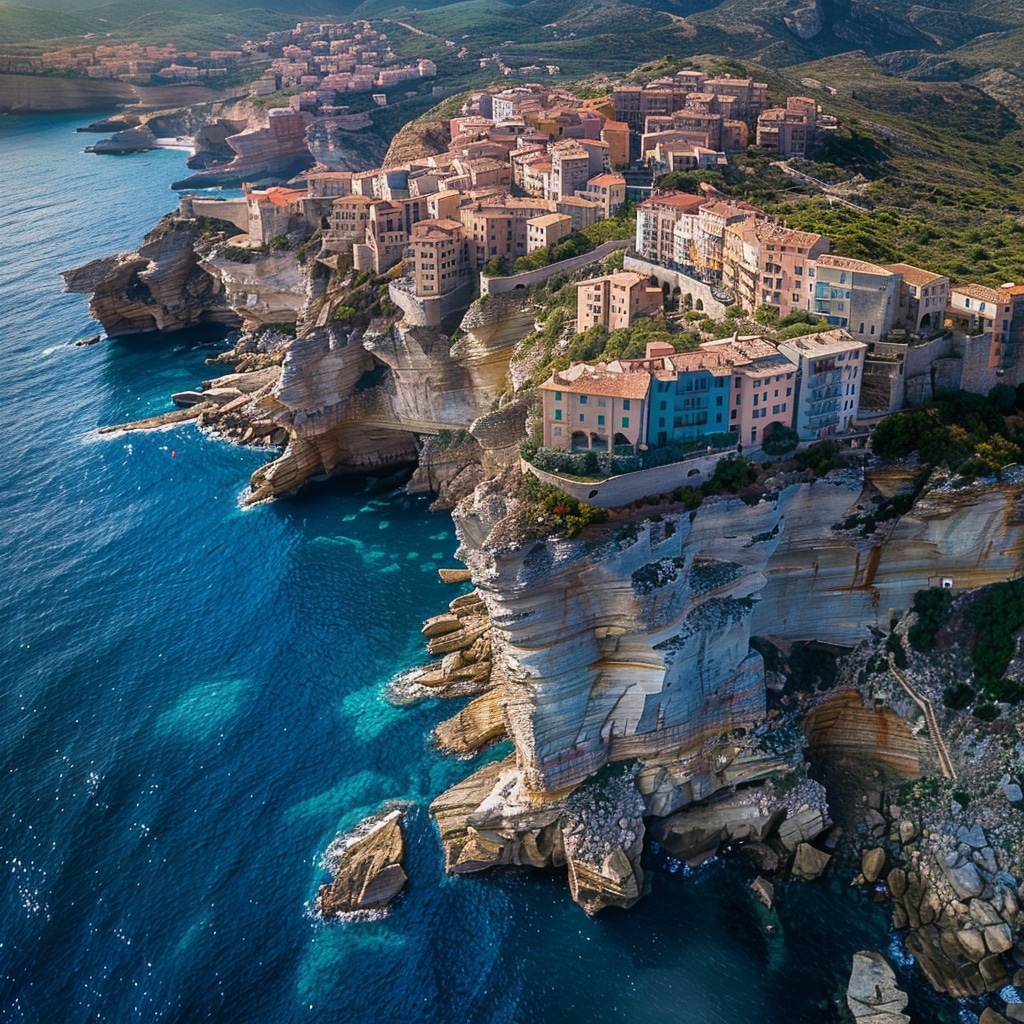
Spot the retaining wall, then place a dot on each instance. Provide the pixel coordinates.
(500, 285)
(675, 279)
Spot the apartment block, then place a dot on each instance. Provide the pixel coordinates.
(594, 408)
(856, 295)
(615, 301)
(830, 371)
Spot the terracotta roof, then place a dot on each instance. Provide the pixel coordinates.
(845, 263)
(592, 380)
(679, 200)
(977, 291)
(913, 275)
(607, 179)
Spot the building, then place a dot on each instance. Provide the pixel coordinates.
(608, 191)
(788, 131)
(656, 220)
(856, 295)
(274, 212)
(615, 301)
(787, 262)
(829, 384)
(436, 259)
(689, 395)
(546, 230)
(347, 223)
(923, 297)
(616, 134)
(594, 408)
(993, 321)
(570, 169)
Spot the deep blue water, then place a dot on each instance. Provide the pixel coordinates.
(191, 709)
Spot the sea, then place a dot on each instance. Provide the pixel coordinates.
(192, 707)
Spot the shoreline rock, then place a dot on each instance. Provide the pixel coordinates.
(367, 867)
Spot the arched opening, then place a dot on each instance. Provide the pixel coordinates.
(653, 281)
(598, 440)
(579, 441)
(622, 441)
(926, 320)
(699, 305)
(688, 301)
(519, 286)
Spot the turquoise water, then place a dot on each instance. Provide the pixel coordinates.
(191, 700)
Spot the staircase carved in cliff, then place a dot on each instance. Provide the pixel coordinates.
(925, 705)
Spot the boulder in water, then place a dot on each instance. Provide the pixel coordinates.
(367, 866)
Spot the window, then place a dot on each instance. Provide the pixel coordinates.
(583, 416)
(733, 414)
(601, 403)
(583, 399)
(558, 431)
(625, 422)
(775, 410)
(600, 421)
(558, 414)
(718, 400)
(663, 406)
(625, 405)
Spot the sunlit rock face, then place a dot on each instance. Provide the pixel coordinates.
(634, 643)
(161, 287)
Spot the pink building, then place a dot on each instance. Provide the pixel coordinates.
(615, 301)
(591, 407)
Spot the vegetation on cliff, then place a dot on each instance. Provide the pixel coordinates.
(971, 434)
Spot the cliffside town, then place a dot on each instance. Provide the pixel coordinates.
(639, 659)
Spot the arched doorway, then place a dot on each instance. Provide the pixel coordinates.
(579, 441)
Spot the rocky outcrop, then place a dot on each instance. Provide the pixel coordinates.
(276, 149)
(603, 836)
(476, 726)
(335, 145)
(845, 725)
(961, 910)
(273, 288)
(161, 287)
(367, 867)
(871, 994)
(804, 18)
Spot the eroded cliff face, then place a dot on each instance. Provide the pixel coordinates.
(632, 648)
(160, 287)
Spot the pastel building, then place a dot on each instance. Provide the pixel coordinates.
(615, 301)
(856, 295)
(763, 389)
(656, 221)
(831, 368)
(787, 266)
(689, 396)
(546, 230)
(594, 408)
(923, 297)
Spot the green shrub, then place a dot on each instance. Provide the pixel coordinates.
(236, 254)
(986, 712)
(932, 608)
(279, 243)
(821, 457)
(779, 439)
(957, 696)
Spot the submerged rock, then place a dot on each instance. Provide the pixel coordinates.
(367, 866)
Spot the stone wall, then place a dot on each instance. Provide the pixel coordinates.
(674, 279)
(428, 311)
(236, 211)
(501, 285)
(626, 488)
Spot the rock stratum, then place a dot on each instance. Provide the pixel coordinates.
(623, 669)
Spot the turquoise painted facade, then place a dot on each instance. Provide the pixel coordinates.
(688, 408)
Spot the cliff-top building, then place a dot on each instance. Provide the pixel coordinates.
(593, 408)
(615, 301)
